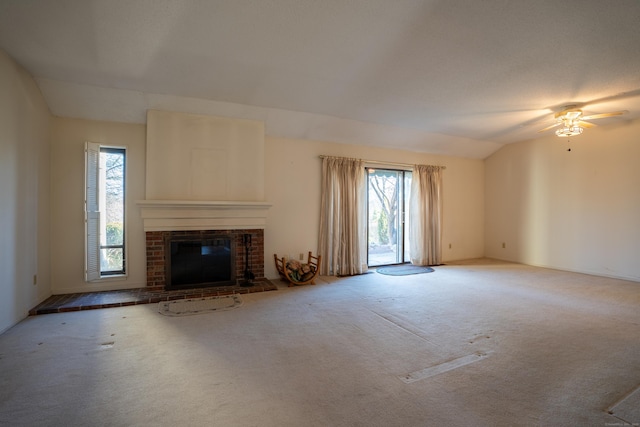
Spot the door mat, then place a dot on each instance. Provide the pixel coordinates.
(187, 307)
(404, 270)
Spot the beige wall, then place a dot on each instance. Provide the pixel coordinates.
(292, 185)
(67, 207)
(575, 210)
(24, 194)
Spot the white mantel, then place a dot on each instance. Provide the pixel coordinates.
(179, 215)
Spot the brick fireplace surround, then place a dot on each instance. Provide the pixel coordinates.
(155, 243)
(154, 292)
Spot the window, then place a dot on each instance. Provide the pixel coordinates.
(104, 211)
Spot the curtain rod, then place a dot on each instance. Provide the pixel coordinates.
(377, 162)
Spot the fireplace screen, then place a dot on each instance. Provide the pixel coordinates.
(199, 262)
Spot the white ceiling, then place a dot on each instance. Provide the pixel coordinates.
(454, 77)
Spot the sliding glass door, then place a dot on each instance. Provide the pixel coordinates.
(388, 209)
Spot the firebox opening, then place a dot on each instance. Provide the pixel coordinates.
(193, 262)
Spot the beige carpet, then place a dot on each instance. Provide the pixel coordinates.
(482, 343)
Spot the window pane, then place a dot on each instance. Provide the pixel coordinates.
(111, 259)
(114, 193)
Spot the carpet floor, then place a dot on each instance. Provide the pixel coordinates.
(478, 343)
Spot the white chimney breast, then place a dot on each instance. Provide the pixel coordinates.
(204, 158)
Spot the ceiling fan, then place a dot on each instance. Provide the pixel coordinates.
(573, 122)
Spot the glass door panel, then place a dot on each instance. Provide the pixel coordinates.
(386, 191)
(405, 226)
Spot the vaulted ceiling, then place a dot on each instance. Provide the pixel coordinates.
(454, 77)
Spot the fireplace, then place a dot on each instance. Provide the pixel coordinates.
(198, 258)
(204, 175)
(237, 221)
(201, 260)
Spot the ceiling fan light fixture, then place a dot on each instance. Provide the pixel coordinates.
(567, 131)
(569, 115)
(571, 121)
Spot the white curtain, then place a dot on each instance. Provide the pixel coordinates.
(342, 239)
(425, 215)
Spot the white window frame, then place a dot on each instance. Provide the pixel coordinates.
(93, 214)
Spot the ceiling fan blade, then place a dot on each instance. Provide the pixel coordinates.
(549, 127)
(586, 124)
(617, 97)
(600, 116)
